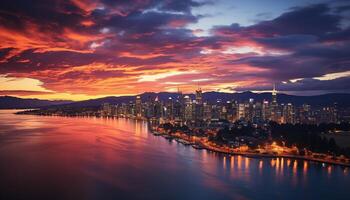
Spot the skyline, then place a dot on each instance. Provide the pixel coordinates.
(81, 50)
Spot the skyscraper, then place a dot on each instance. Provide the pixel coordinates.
(138, 106)
(199, 96)
(275, 113)
(199, 109)
(274, 94)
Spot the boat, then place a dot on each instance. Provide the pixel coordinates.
(156, 133)
(168, 137)
(197, 146)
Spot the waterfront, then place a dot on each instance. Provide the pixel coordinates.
(95, 158)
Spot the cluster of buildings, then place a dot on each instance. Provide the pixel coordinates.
(198, 112)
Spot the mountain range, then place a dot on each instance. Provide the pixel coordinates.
(9, 102)
(342, 99)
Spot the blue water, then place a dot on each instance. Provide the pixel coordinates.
(92, 158)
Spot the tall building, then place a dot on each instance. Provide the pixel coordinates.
(138, 106)
(266, 111)
(241, 111)
(207, 111)
(274, 95)
(158, 111)
(188, 108)
(234, 110)
(198, 106)
(275, 112)
(106, 110)
(288, 114)
(304, 115)
(257, 112)
(199, 96)
(169, 109)
(178, 114)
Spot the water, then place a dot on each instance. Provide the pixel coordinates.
(92, 158)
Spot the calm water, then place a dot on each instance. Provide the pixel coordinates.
(91, 158)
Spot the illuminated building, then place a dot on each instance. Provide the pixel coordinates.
(188, 108)
(275, 111)
(138, 106)
(288, 114)
(266, 112)
(241, 111)
(198, 107)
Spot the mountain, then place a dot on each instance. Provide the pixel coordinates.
(9, 102)
(319, 100)
(343, 100)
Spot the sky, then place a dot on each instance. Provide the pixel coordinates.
(83, 49)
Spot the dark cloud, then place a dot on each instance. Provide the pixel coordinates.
(312, 20)
(288, 41)
(307, 84)
(303, 42)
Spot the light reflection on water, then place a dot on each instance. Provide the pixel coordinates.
(95, 158)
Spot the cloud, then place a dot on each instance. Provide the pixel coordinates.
(306, 85)
(22, 92)
(99, 47)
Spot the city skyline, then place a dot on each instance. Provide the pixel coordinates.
(196, 111)
(78, 50)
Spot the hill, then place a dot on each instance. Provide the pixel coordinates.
(9, 102)
(342, 100)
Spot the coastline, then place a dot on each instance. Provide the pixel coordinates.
(202, 146)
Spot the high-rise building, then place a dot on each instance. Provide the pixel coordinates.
(138, 106)
(207, 111)
(198, 107)
(275, 112)
(158, 110)
(288, 114)
(169, 109)
(266, 111)
(257, 113)
(199, 96)
(106, 110)
(241, 111)
(188, 115)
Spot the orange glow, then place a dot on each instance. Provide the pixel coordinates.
(224, 162)
(246, 164)
(273, 162)
(232, 162)
(329, 169)
(239, 162)
(305, 167)
(88, 23)
(295, 165)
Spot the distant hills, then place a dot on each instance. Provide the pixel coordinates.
(9, 102)
(342, 100)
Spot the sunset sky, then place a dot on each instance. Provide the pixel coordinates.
(87, 49)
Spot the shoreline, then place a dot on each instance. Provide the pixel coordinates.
(200, 145)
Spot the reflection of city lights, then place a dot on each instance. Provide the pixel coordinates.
(246, 164)
(305, 166)
(329, 169)
(232, 162)
(224, 162)
(273, 162)
(239, 161)
(295, 165)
